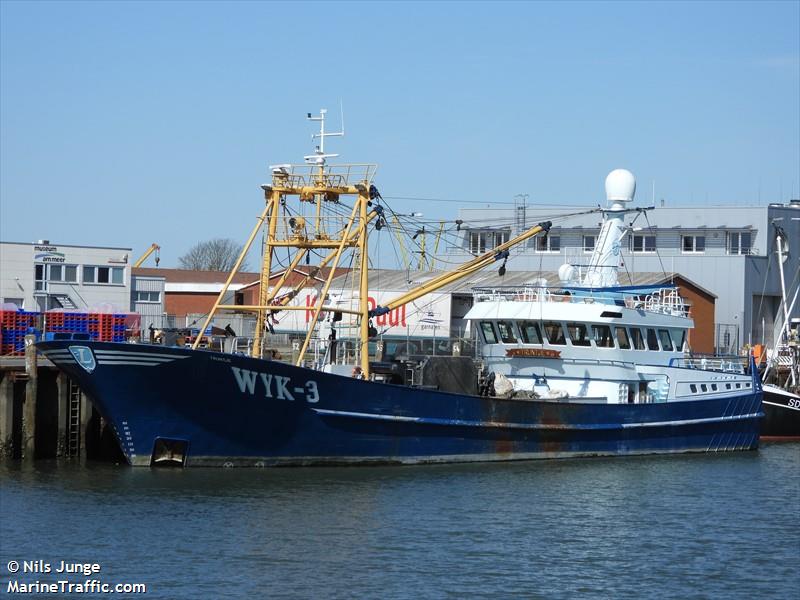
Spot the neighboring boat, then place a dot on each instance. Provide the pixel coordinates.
(781, 377)
(781, 414)
(591, 369)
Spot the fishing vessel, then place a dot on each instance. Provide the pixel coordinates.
(588, 369)
(781, 376)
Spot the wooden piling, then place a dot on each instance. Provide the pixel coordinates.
(6, 415)
(31, 390)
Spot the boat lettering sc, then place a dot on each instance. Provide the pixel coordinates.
(274, 386)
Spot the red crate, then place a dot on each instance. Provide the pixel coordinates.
(54, 319)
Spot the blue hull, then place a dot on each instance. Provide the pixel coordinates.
(235, 410)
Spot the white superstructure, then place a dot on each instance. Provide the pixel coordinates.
(592, 340)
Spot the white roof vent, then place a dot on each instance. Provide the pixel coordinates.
(620, 186)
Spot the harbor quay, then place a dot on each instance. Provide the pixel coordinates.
(45, 415)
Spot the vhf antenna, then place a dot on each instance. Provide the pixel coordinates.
(319, 155)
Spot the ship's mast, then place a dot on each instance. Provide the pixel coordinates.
(325, 187)
(604, 263)
(782, 245)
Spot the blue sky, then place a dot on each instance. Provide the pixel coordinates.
(129, 123)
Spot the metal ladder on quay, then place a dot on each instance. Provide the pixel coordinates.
(74, 421)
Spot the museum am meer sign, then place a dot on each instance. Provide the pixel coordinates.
(47, 254)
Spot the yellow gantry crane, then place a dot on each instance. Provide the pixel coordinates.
(153, 248)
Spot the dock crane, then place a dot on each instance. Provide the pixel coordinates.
(153, 248)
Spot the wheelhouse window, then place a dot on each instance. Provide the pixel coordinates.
(602, 336)
(693, 244)
(506, 329)
(548, 243)
(588, 243)
(622, 338)
(530, 332)
(652, 339)
(740, 242)
(643, 243)
(103, 275)
(554, 333)
(679, 338)
(488, 332)
(666, 341)
(578, 335)
(637, 338)
(481, 241)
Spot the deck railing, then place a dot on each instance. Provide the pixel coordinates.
(710, 362)
(333, 176)
(664, 301)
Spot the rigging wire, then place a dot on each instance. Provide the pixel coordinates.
(485, 202)
(651, 229)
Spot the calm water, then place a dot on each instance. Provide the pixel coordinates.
(701, 526)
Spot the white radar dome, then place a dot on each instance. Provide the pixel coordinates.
(620, 186)
(566, 273)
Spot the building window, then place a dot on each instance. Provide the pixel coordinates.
(52, 272)
(148, 296)
(39, 278)
(588, 243)
(548, 243)
(643, 243)
(693, 244)
(103, 275)
(65, 273)
(20, 302)
(739, 242)
(482, 241)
